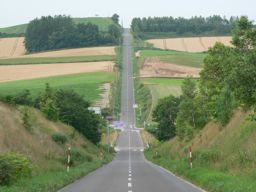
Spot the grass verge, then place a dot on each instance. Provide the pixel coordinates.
(53, 180)
(49, 60)
(210, 179)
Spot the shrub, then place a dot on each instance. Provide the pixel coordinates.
(26, 119)
(12, 167)
(78, 155)
(59, 138)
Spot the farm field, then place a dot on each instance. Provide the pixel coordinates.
(162, 87)
(49, 60)
(88, 85)
(153, 67)
(14, 48)
(176, 57)
(88, 51)
(21, 72)
(190, 44)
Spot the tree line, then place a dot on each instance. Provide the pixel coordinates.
(227, 81)
(194, 26)
(58, 32)
(63, 105)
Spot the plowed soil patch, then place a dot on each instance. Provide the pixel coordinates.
(155, 68)
(20, 72)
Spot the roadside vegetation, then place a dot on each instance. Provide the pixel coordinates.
(162, 27)
(40, 164)
(216, 116)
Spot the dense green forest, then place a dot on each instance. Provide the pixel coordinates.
(227, 81)
(194, 26)
(58, 32)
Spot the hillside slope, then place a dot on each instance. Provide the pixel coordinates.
(48, 157)
(37, 143)
(101, 22)
(224, 158)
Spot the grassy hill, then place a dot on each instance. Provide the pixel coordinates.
(47, 157)
(101, 22)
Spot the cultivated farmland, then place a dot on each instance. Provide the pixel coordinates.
(88, 85)
(91, 51)
(20, 72)
(193, 44)
(153, 67)
(12, 47)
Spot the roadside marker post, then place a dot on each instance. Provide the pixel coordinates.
(190, 156)
(69, 156)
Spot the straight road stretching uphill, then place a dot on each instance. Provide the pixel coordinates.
(129, 172)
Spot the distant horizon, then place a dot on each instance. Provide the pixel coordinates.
(120, 19)
(16, 12)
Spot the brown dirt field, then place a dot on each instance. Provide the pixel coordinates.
(91, 51)
(193, 44)
(20, 72)
(153, 67)
(175, 44)
(12, 47)
(104, 100)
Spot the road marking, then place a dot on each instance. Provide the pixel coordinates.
(129, 184)
(129, 191)
(130, 171)
(129, 179)
(130, 175)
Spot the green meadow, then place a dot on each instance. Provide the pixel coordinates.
(86, 84)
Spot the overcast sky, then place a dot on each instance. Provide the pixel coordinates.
(13, 12)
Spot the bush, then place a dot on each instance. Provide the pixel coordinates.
(59, 138)
(12, 167)
(78, 155)
(207, 156)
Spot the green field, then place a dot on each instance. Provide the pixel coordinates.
(48, 60)
(160, 88)
(101, 22)
(85, 84)
(175, 57)
(163, 87)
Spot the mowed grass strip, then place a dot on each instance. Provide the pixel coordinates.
(176, 57)
(49, 60)
(86, 84)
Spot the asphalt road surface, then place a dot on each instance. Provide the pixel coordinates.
(130, 171)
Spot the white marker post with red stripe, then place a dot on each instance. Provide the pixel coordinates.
(69, 155)
(190, 156)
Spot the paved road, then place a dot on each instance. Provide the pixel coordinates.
(129, 172)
